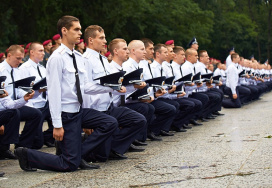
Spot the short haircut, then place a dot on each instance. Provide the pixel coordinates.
(177, 49)
(201, 52)
(14, 48)
(33, 44)
(147, 42)
(189, 51)
(234, 55)
(91, 32)
(67, 22)
(114, 43)
(157, 48)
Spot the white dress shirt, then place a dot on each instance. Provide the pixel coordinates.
(62, 94)
(232, 77)
(9, 102)
(228, 61)
(30, 68)
(95, 69)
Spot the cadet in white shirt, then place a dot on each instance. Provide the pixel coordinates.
(66, 83)
(135, 51)
(10, 121)
(130, 122)
(33, 68)
(232, 88)
(31, 116)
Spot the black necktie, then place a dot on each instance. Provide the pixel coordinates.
(44, 93)
(206, 70)
(100, 57)
(79, 95)
(180, 71)
(39, 71)
(13, 84)
(194, 70)
(123, 100)
(161, 71)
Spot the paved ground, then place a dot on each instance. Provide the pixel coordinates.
(234, 150)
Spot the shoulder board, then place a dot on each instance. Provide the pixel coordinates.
(104, 57)
(86, 55)
(2, 68)
(78, 53)
(61, 50)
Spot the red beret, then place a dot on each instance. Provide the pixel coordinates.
(27, 46)
(46, 42)
(107, 54)
(7, 50)
(81, 40)
(26, 50)
(169, 42)
(22, 45)
(1, 55)
(56, 37)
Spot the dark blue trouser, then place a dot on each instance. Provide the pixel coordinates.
(231, 103)
(71, 146)
(130, 123)
(41, 136)
(183, 109)
(32, 118)
(10, 120)
(147, 110)
(165, 114)
(197, 109)
(206, 103)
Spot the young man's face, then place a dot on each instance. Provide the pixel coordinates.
(74, 33)
(193, 57)
(122, 52)
(37, 53)
(14, 59)
(236, 59)
(140, 52)
(170, 53)
(195, 46)
(205, 58)
(180, 57)
(150, 51)
(48, 46)
(99, 41)
(164, 54)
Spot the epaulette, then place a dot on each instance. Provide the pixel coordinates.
(78, 53)
(104, 57)
(61, 50)
(86, 55)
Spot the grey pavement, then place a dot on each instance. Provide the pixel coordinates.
(234, 150)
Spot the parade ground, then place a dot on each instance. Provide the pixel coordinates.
(234, 150)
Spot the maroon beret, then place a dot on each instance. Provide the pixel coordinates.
(81, 40)
(56, 37)
(27, 46)
(169, 42)
(1, 55)
(46, 42)
(107, 54)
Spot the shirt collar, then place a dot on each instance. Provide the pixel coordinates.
(175, 64)
(67, 49)
(155, 64)
(116, 65)
(166, 63)
(32, 63)
(93, 52)
(134, 63)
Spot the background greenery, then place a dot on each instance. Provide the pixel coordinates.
(217, 24)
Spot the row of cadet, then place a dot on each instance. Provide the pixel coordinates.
(147, 91)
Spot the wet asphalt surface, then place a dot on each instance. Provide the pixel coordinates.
(234, 150)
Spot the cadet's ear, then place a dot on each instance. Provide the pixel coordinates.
(64, 30)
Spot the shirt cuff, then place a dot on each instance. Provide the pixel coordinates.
(57, 123)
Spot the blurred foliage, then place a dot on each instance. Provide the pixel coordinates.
(217, 24)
